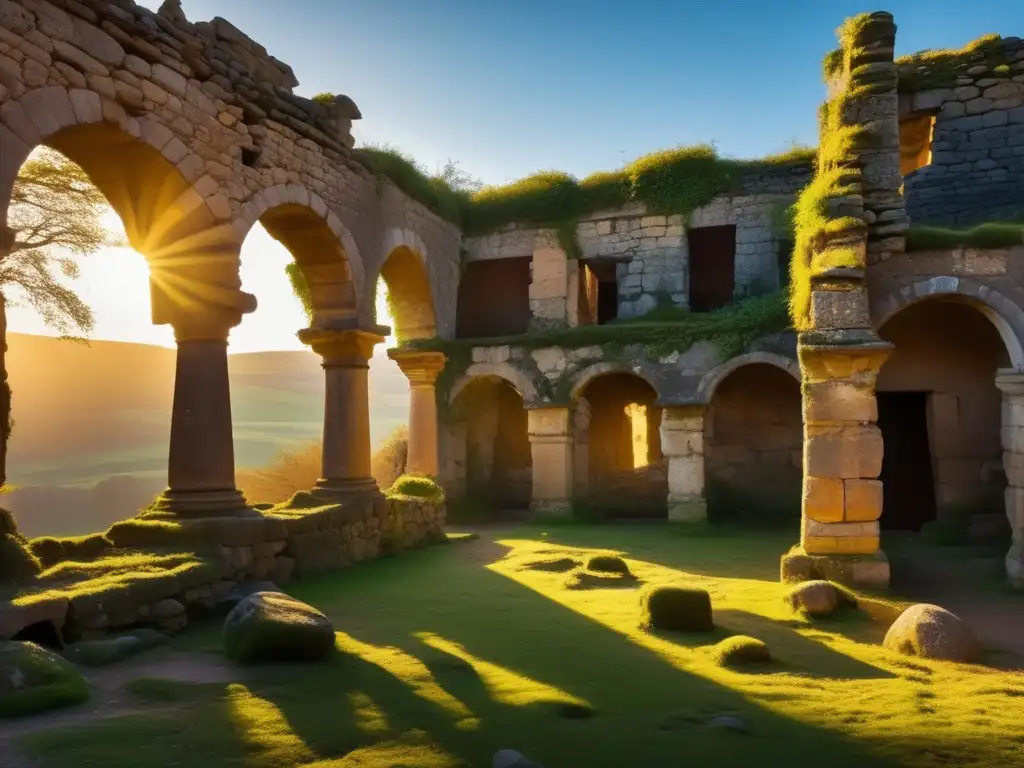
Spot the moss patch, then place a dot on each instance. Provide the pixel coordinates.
(678, 609)
(33, 679)
(416, 488)
(740, 650)
(940, 68)
(996, 234)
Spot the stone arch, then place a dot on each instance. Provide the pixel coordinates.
(410, 294)
(509, 373)
(710, 381)
(1004, 314)
(581, 379)
(173, 214)
(321, 245)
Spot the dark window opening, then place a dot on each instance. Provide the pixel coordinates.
(605, 278)
(785, 258)
(494, 298)
(908, 485)
(712, 256)
(42, 633)
(249, 157)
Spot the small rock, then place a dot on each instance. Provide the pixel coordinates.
(108, 650)
(932, 632)
(271, 626)
(815, 598)
(33, 679)
(509, 758)
(166, 609)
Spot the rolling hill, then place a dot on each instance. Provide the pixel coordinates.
(92, 422)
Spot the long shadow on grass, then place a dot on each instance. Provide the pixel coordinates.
(533, 640)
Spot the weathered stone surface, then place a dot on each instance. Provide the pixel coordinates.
(271, 626)
(109, 650)
(815, 598)
(932, 632)
(33, 679)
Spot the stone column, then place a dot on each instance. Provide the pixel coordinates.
(201, 461)
(551, 447)
(682, 445)
(1012, 385)
(421, 369)
(345, 466)
(842, 496)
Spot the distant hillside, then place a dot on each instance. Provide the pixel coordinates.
(86, 413)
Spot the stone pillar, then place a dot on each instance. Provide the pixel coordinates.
(346, 443)
(1012, 385)
(549, 285)
(201, 460)
(581, 448)
(551, 447)
(842, 496)
(422, 369)
(682, 445)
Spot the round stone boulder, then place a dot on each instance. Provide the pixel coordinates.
(931, 632)
(272, 626)
(815, 598)
(33, 679)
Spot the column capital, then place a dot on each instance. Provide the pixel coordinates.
(206, 324)
(420, 367)
(820, 362)
(1010, 381)
(341, 347)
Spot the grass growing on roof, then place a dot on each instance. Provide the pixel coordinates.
(408, 176)
(940, 68)
(451, 652)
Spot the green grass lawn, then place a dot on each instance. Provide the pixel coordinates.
(449, 654)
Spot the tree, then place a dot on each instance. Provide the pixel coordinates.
(457, 179)
(55, 217)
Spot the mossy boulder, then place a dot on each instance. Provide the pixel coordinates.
(678, 609)
(33, 679)
(17, 563)
(271, 626)
(931, 632)
(108, 650)
(607, 564)
(740, 650)
(817, 598)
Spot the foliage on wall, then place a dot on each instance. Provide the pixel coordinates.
(940, 69)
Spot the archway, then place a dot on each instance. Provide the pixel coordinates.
(108, 436)
(939, 413)
(490, 444)
(406, 281)
(753, 439)
(619, 465)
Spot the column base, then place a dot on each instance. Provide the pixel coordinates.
(551, 509)
(194, 504)
(694, 510)
(336, 489)
(859, 571)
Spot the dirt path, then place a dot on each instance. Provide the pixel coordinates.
(109, 698)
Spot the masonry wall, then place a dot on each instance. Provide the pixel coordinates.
(649, 253)
(977, 148)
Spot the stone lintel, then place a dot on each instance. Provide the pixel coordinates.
(421, 368)
(344, 348)
(1010, 381)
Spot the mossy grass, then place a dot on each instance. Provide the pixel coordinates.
(408, 176)
(995, 234)
(940, 68)
(516, 641)
(18, 563)
(53, 549)
(586, 578)
(731, 329)
(33, 680)
(740, 651)
(607, 564)
(416, 488)
(163, 690)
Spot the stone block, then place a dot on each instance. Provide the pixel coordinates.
(692, 510)
(1014, 499)
(823, 499)
(1012, 438)
(1013, 466)
(844, 452)
(685, 476)
(840, 545)
(864, 572)
(862, 501)
(837, 400)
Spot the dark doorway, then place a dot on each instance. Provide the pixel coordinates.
(908, 486)
(712, 267)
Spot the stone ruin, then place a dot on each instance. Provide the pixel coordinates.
(526, 384)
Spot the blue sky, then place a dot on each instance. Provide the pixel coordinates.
(508, 88)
